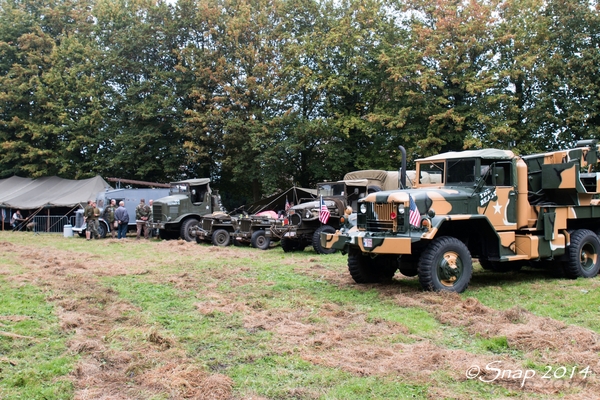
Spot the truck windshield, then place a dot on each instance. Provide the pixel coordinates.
(180, 189)
(331, 189)
(461, 172)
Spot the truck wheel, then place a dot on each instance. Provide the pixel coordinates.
(583, 255)
(186, 228)
(408, 267)
(102, 229)
(445, 265)
(365, 269)
(221, 237)
(316, 239)
(259, 240)
(289, 245)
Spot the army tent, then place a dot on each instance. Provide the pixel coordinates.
(27, 194)
(278, 201)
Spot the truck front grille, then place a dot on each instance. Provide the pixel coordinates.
(378, 218)
(157, 214)
(206, 224)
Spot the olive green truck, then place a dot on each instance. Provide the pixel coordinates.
(507, 211)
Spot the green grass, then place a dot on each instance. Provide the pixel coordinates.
(271, 283)
(35, 366)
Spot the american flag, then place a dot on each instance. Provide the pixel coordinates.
(414, 216)
(287, 204)
(324, 213)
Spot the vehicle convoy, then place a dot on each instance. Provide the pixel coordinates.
(176, 214)
(131, 197)
(506, 210)
(304, 222)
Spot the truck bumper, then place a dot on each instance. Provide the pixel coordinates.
(367, 243)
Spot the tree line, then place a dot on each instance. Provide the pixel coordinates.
(262, 94)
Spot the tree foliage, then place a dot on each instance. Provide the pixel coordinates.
(263, 94)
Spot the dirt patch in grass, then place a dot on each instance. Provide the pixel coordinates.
(122, 357)
(115, 363)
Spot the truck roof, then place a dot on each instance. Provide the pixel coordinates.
(195, 181)
(483, 153)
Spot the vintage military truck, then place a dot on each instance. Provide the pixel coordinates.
(188, 200)
(222, 229)
(304, 227)
(506, 210)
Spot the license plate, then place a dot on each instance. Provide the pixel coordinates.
(367, 242)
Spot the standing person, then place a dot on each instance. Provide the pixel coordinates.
(142, 213)
(109, 215)
(92, 221)
(122, 218)
(16, 219)
(151, 217)
(86, 212)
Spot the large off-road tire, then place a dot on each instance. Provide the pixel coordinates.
(259, 240)
(316, 239)
(221, 237)
(445, 265)
(583, 255)
(365, 269)
(288, 245)
(408, 266)
(186, 227)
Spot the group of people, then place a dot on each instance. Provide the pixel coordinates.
(118, 219)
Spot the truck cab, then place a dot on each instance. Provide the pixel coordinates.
(176, 214)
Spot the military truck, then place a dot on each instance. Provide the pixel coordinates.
(505, 210)
(188, 200)
(304, 225)
(131, 197)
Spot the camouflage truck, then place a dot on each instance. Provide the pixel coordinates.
(304, 227)
(176, 214)
(506, 210)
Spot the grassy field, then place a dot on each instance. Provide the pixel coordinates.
(157, 319)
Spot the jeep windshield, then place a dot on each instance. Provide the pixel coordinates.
(331, 189)
(180, 189)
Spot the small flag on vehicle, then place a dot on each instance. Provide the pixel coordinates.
(414, 216)
(324, 213)
(287, 204)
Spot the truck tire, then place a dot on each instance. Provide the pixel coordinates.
(259, 240)
(316, 239)
(408, 266)
(221, 237)
(445, 265)
(186, 226)
(365, 269)
(288, 245)
(583, 251)
(102, 229)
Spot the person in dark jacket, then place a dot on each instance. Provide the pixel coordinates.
(122, 218)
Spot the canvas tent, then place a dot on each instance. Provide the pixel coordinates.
(52, 191)
(277, 201)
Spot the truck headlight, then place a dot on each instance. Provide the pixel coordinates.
(401, 209)
(363, 208)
